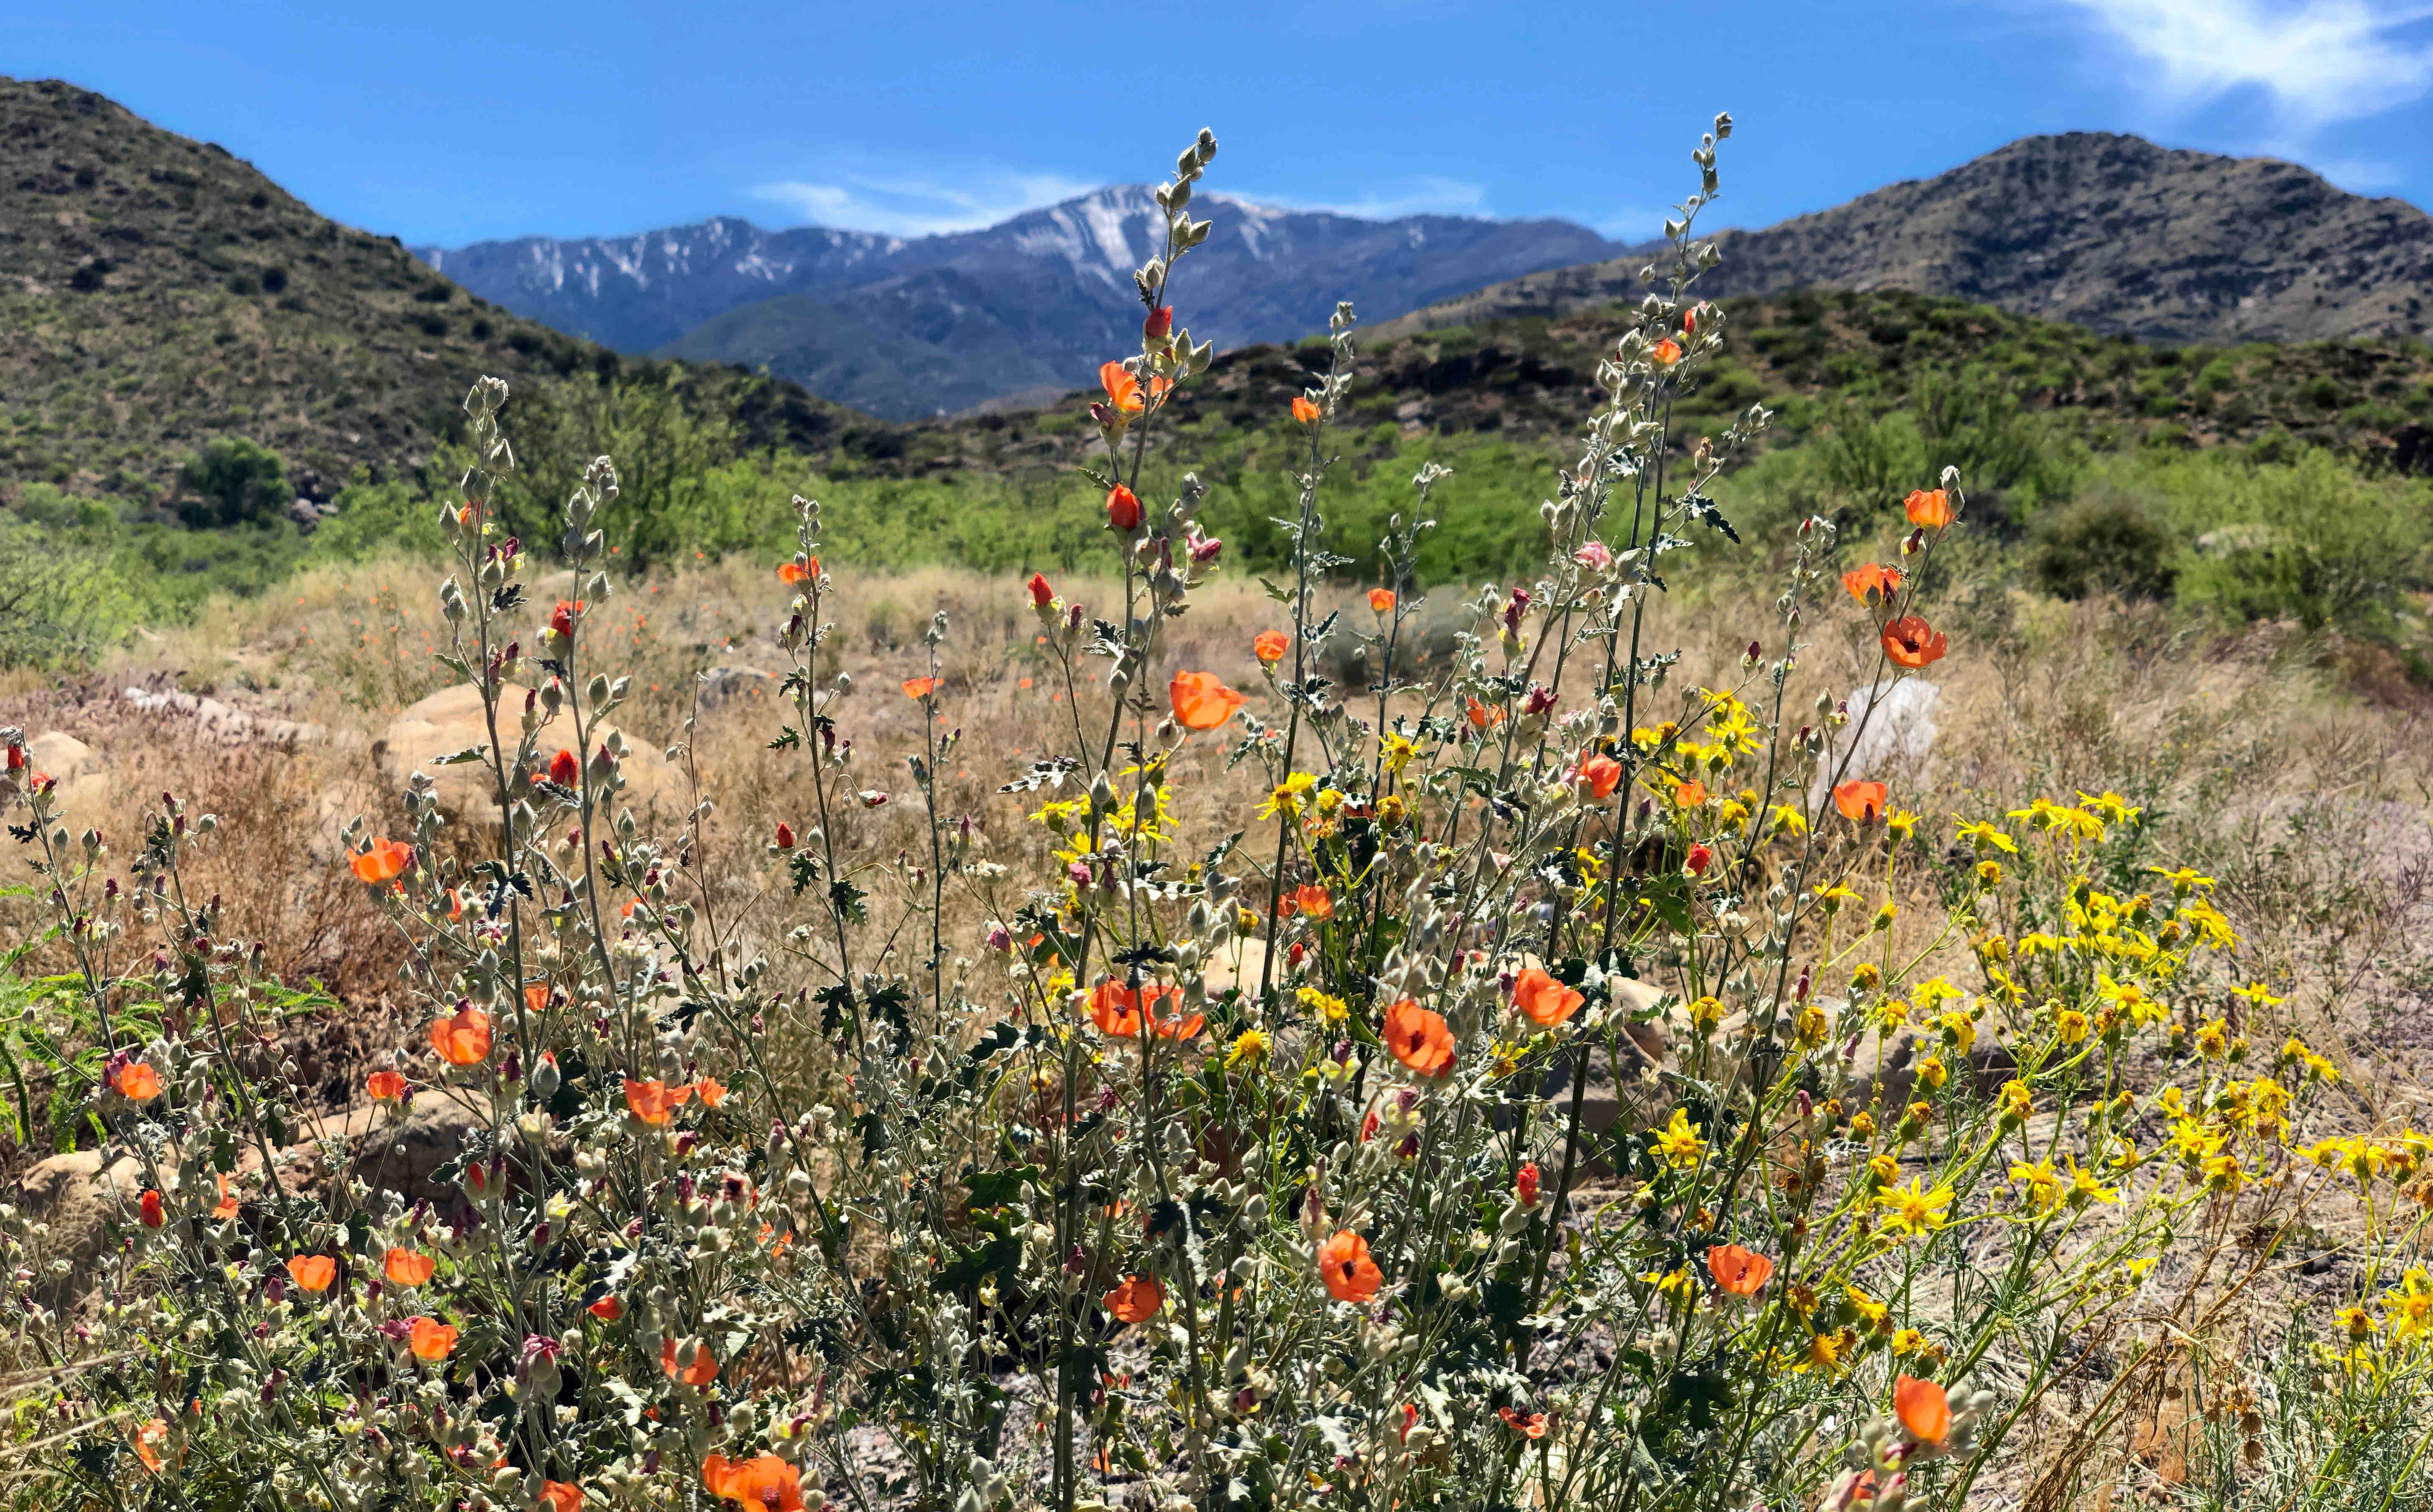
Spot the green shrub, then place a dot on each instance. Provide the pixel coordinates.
(2103, 545)
(233, 482)
(2311, 541)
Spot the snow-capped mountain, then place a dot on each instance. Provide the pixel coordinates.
(912, 327)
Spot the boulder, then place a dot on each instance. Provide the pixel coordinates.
(62, 756)
(725, 684)
(450, 720)
(75, 1198)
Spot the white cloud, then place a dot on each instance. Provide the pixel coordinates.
(1428, 195)
(2318, 61)
(918, 207)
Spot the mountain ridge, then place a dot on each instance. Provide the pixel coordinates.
(2102, 229)
(1033, 303)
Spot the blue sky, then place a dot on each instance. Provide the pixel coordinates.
(444, 121)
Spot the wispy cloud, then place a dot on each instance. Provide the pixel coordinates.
(1427, 195)
(918, 207)
(2317, 61)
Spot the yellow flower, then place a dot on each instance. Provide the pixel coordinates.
(2084, 1188)
(1785, 820)
(1286, 798)
(1250, 1046)
(1705, 1013)
(1874, 1315)
(1333, 1010)
(1823, 1352)
(1931, 1073)
(2184, 881)
(1900, 824)
(2111, 807)
(2070, 1025)
(2409, 1310)
(1908, 1341)
(2015, 1101)
(2358, 1322)
(1679, 1287)
(1398, 749)
(1678, 1143)
(1986, 837)
(1884, 1168)
(1913, 1211)
(1832, 899)
(2043, 1185)
(2213, 1039)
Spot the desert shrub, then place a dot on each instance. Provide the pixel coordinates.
(2103, 545)
(1231, 1164)
(2308, 540)
(59, 601)
(233, 482)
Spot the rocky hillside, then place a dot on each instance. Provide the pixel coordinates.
(913, 328)
(2110, 232)
(161, 292)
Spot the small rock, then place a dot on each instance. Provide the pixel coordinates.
(77, 1195)
(62, 756)
(720, 684)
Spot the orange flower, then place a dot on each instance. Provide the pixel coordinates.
(1601, 772)
(1929, 507)
(463, 1038)
(431, 1339)
(561, 619)
(1860, 801)
(1351, 1276)
(1382, 600)
(313, 1272)
(920, 686)
(562, 1496)
(767, 1483)
(654, 1101)
(1201, 701)
(1665, 352)
(1270, 646)
(1911, 642)
(1690, 794)
(148, 1440)
(702, 1371)
(795, 572)
(135, 1081)
(1419, 1039)
(1546, 1001)
(1304, 411)
(1117, 1010)
(1136, 1301)
(1482, 716)
(227, 1205)
(1123, 509)
(1924, 1407)
(407, 1268)
(1123, 389)
(1530, 1424)
(1873, 583)
(148, 1208)
(383, 862)
(564, 769)
(384, 1086)
(713, 1092)
(784, 839)
(607, 1309)
(1741, 1272)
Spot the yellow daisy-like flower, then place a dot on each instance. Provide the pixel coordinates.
(1677, 1142)
(1249, 1049)
(1785, 820)
(1333, 1010)
(2084, 1188)
(1908, 1341)
(1398, 750)
(1287, 796)
(1985, 837)
(1913, 1211)
(2070, 1025)
(2409, 1310)
(2044, 1186)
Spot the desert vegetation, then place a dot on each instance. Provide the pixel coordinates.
(1718, 1008)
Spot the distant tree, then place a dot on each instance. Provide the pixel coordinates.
(233, 482)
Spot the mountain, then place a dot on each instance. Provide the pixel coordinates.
(2110, 233)
(939, 324)
(162, 292)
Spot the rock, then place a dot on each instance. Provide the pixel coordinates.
(225, 722)
(304, 516)
(721, 685)
(77, 1196)
(62, 756)
(1892, 727)
(451, 719)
